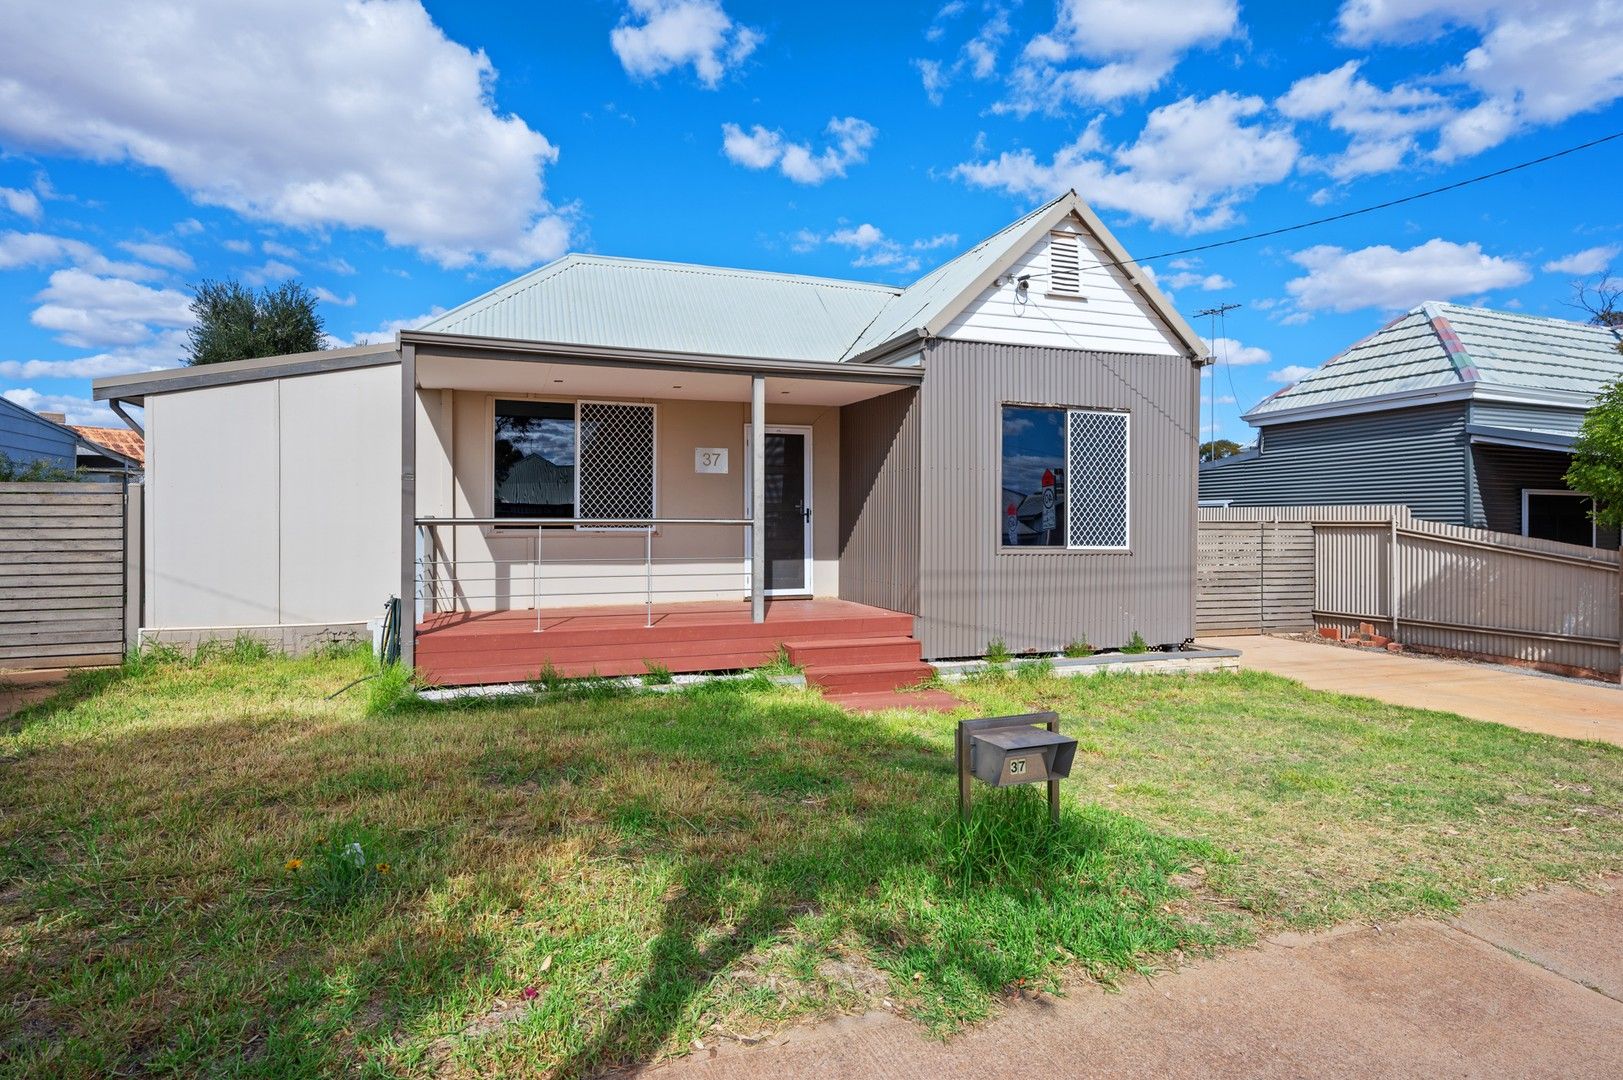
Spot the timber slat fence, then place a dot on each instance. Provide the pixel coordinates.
(64, 570)
(1419, 582)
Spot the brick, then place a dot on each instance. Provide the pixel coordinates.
(1330, 633)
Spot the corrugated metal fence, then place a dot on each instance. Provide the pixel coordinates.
(64, 566)
(1420, 582)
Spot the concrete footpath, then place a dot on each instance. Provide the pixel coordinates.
(1571, 708)
(1531, 987)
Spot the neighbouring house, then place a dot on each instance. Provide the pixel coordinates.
(609, 463)
(110, 452)
(1466, 415)
(27, 437)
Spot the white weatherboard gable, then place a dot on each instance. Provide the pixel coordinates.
(1109, 315)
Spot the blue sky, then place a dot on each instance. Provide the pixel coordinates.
(401, 158)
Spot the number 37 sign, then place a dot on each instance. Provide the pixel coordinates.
(710, 459)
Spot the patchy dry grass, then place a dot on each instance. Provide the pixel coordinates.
(542, 887)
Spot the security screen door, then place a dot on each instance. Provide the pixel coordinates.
(788, 511)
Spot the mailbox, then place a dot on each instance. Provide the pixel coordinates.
(1007, 750)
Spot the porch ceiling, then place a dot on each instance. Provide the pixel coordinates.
(590, 379)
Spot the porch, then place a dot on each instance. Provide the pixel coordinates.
(857, 653)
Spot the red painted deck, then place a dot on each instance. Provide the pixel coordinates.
(860, 655)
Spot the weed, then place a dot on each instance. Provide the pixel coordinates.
(1136, 644)
(780, 664)
(658, 674)
(1077, 649)
(997, 652)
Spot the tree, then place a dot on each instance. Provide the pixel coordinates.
(1218, 448)
(236, 323)
(1597, 456)
(1601, 299)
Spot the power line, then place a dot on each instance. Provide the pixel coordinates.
(1387, 205)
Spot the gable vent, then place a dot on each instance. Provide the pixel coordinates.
(1064, 264)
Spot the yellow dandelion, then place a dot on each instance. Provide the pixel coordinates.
(293, 864)
(383, 868)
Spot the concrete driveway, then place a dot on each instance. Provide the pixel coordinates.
(1531, 987)
(1571, 708)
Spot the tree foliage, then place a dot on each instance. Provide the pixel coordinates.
(1218, 448)
(236, 323)
(1597, 456)
(34, 472)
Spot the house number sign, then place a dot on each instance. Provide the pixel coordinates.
(710, 459)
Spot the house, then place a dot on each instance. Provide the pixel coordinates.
(106, 452)
(1464, 414)
(611, 462)
(27, 437)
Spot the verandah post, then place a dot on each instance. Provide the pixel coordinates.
(757, 452)
(408, 506)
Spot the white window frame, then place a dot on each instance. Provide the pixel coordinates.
(1594, 530)
(1127, 495)
(575, 403)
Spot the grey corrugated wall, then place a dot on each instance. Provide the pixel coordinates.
(1531, 417)
(879, 501)
(1417, 457)
(1503, 471)
(969, 591)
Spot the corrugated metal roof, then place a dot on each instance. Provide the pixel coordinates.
(674, 307)
(1441, 345)
(929, 295)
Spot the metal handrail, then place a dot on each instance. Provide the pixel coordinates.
(646, 526)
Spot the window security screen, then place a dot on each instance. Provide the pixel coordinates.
(616, 460)
(1065, 478)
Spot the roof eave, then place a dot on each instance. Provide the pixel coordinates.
(134, 388)
(1402, 399)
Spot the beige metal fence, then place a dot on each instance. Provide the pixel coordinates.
(64, 566)
(1420, 582)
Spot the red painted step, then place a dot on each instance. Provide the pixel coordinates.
(842, 651)
(858, 677)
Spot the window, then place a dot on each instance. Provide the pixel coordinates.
(1065, 479)
(590, 459)
(1064, 264)
(535, 459)
(1558, 515)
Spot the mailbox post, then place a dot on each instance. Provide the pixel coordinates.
(1003, 751)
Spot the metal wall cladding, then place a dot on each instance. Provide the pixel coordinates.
(970, 591)
(1502, 472)
(1417, 457)
(879, 501)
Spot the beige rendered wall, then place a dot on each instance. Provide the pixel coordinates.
(274, 503)
(455, 478)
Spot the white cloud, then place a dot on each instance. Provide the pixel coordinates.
(1290, 373)
(1190, 166)
(1384, 277)
(978, 56)
(22, 202)
(327, 296)
(1535, 62)
(86, 311)
(278, 250)
(760, 148)
(159, 254)
(946, 239)
(386, 330)
(934, 78)
(356, 115)
(1230, 351)
(1383, 124)
(271, 270)
(240, 247)
(42, 250)
(77, 409)
(1582, 263)
(864, 236)
(1207, 282)
(166, 349)
(1131, 46)
(657, 36)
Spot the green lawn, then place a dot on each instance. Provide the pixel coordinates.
(550, 886)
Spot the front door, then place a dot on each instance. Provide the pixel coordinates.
(788, 510)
